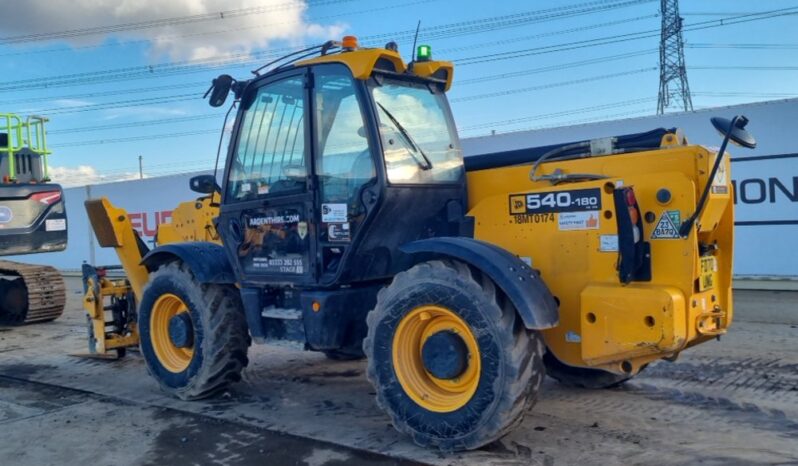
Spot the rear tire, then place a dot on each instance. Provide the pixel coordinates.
(506, 357)
(579, 376)
(218, 352)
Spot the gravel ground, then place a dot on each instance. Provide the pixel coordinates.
(729, 402)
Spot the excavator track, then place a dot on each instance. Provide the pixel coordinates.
(30, 293)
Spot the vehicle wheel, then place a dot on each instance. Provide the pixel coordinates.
(580, 376)
(194, 336)
(451, 362)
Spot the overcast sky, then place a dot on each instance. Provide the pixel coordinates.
(123, 78)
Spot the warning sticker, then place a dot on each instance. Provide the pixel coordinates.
(608, 243)
(569, 221)
(339, 232)
(668, 226)
(334, 213)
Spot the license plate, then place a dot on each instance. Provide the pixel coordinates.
(706, 279)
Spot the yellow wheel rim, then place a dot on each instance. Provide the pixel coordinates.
(173, 358)
(428, 391)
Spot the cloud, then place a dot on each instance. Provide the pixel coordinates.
(71, 102)
(86, 174)
(270, 20)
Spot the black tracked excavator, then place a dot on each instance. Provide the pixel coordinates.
(32, 220)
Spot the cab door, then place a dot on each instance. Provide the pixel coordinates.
(267, 205)
(345, 170)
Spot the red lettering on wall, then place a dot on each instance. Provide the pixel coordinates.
(146, 224)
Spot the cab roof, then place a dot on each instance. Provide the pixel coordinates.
(362, 62)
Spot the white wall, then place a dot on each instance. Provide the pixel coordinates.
(767, 249)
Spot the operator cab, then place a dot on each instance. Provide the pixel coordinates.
(334, 163)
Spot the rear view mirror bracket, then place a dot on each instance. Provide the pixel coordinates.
(204, 184)
(220, 88)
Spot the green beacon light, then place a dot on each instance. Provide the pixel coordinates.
(424, 53)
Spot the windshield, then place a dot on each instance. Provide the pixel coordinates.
(418, 136)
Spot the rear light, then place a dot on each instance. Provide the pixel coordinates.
(634, 253)
(631, 204)
(47, 197)
(631, 200)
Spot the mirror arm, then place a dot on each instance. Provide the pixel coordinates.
(684, 230)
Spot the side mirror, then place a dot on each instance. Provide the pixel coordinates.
(220, 88)
(737, 133)
(204, 184)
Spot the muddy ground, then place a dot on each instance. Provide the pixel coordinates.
(729, 402)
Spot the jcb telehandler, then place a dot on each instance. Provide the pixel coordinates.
(32, 220)
(348, 223)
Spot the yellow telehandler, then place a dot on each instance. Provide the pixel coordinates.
(347, 222)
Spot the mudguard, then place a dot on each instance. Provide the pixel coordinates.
(522, 285)
(207, 261)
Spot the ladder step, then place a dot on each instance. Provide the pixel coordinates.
(281, 313)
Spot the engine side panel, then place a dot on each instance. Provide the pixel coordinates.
(568, 231)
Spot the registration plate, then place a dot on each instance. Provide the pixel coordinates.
(708, 273)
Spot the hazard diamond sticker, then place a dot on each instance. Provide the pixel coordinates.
(668, 226)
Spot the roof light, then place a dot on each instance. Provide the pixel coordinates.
(349, 43)
(424, 53)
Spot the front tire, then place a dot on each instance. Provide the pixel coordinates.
(478, 398)
(205, 350)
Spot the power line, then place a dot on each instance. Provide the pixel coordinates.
(115, 92)
(782, 46)
(174, 21)
(84, 129)
(745, 94)
(618, 38)
(429, 33)
(461, 99)
(126, 73)
(552, 85)
(636, 33)
(595, 119)
(136, 138)
(575, 111)
(116, 104)
(203, 84)
(558, 67)
(746, 68)
(236, 30)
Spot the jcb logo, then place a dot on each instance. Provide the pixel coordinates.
(518, 204)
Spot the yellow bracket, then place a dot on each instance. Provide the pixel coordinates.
(712, 322)
(113, 230)
(96, 306)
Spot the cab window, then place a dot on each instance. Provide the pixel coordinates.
(419, 140)
(269, 157)
(343, 160)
